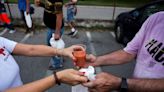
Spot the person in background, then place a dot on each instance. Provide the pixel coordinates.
(24, 6)
(53, 19)
(10, 80)
(148, 48)
(71, 13)
(5, 20)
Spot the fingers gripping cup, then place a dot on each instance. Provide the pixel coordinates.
(80, 56)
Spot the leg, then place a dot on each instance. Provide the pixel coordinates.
(24, 20)
(7, 22)
(49, 35)
(70, 18)
(56, 61)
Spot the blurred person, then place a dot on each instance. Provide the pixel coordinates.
(148, 48)
(53, 19)
(10, 80)
(71, 13)
(24, 7)
(5, 20)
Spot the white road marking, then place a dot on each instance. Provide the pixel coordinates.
(93, 51)
(80, 88)
(3, 32)
(25, 38)
(112, 33)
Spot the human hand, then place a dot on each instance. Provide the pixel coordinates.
(57, 36)
(91, 60)
(104, 83)
(71, 77)
(69, 51)
(27, 11)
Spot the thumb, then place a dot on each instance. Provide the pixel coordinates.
(72, 57)
(90, 58)
(83, 79)
(88, 84)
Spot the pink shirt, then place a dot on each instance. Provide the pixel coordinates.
(148, 46)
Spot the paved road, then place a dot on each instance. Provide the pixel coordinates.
(84, 12)
(97, 41)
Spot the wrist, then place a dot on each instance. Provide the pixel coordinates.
(123, 85)
(57, 32)
(57, 77)
(118, 83)
(59, 52)
(99, 61)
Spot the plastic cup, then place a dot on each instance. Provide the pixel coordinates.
(80, 56)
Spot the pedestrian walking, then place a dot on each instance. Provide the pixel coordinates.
(71, 13)
(5, 20)
(26, 10)
(53, 19)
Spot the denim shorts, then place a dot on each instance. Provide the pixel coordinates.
(70, 14)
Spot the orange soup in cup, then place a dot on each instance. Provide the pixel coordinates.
(80, 56)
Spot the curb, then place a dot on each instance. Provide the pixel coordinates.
(86, 23)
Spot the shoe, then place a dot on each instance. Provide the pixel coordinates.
(54, 67)
(12, 31)
(73, 33)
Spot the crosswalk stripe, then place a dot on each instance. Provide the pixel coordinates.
(3, 32)
(25, 38)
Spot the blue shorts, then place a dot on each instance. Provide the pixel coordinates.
(70, 14)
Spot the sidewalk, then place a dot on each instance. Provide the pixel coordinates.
(89, 13)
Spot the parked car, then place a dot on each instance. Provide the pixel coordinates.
(127, 24)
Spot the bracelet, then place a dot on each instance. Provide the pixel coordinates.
(56, 78)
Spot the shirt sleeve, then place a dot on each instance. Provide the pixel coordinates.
(59, 6)
(134, 45)
(8, 44)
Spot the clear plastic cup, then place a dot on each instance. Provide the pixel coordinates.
(80, 56)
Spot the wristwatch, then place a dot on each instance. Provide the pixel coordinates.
(124, 85)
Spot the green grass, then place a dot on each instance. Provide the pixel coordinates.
(121, 3)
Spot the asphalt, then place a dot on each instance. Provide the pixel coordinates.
(98, 42)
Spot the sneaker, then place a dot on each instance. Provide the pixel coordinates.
(54, 67)
(73, 33)
(12, 31)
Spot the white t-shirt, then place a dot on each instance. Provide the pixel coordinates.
(9, 69)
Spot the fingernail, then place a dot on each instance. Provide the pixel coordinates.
(83, 72)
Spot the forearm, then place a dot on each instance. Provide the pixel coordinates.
(35, 50)
(146, 85)
(41, 50)
(59, 20)
(37, 86)
(27, 4)
(118, 57)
